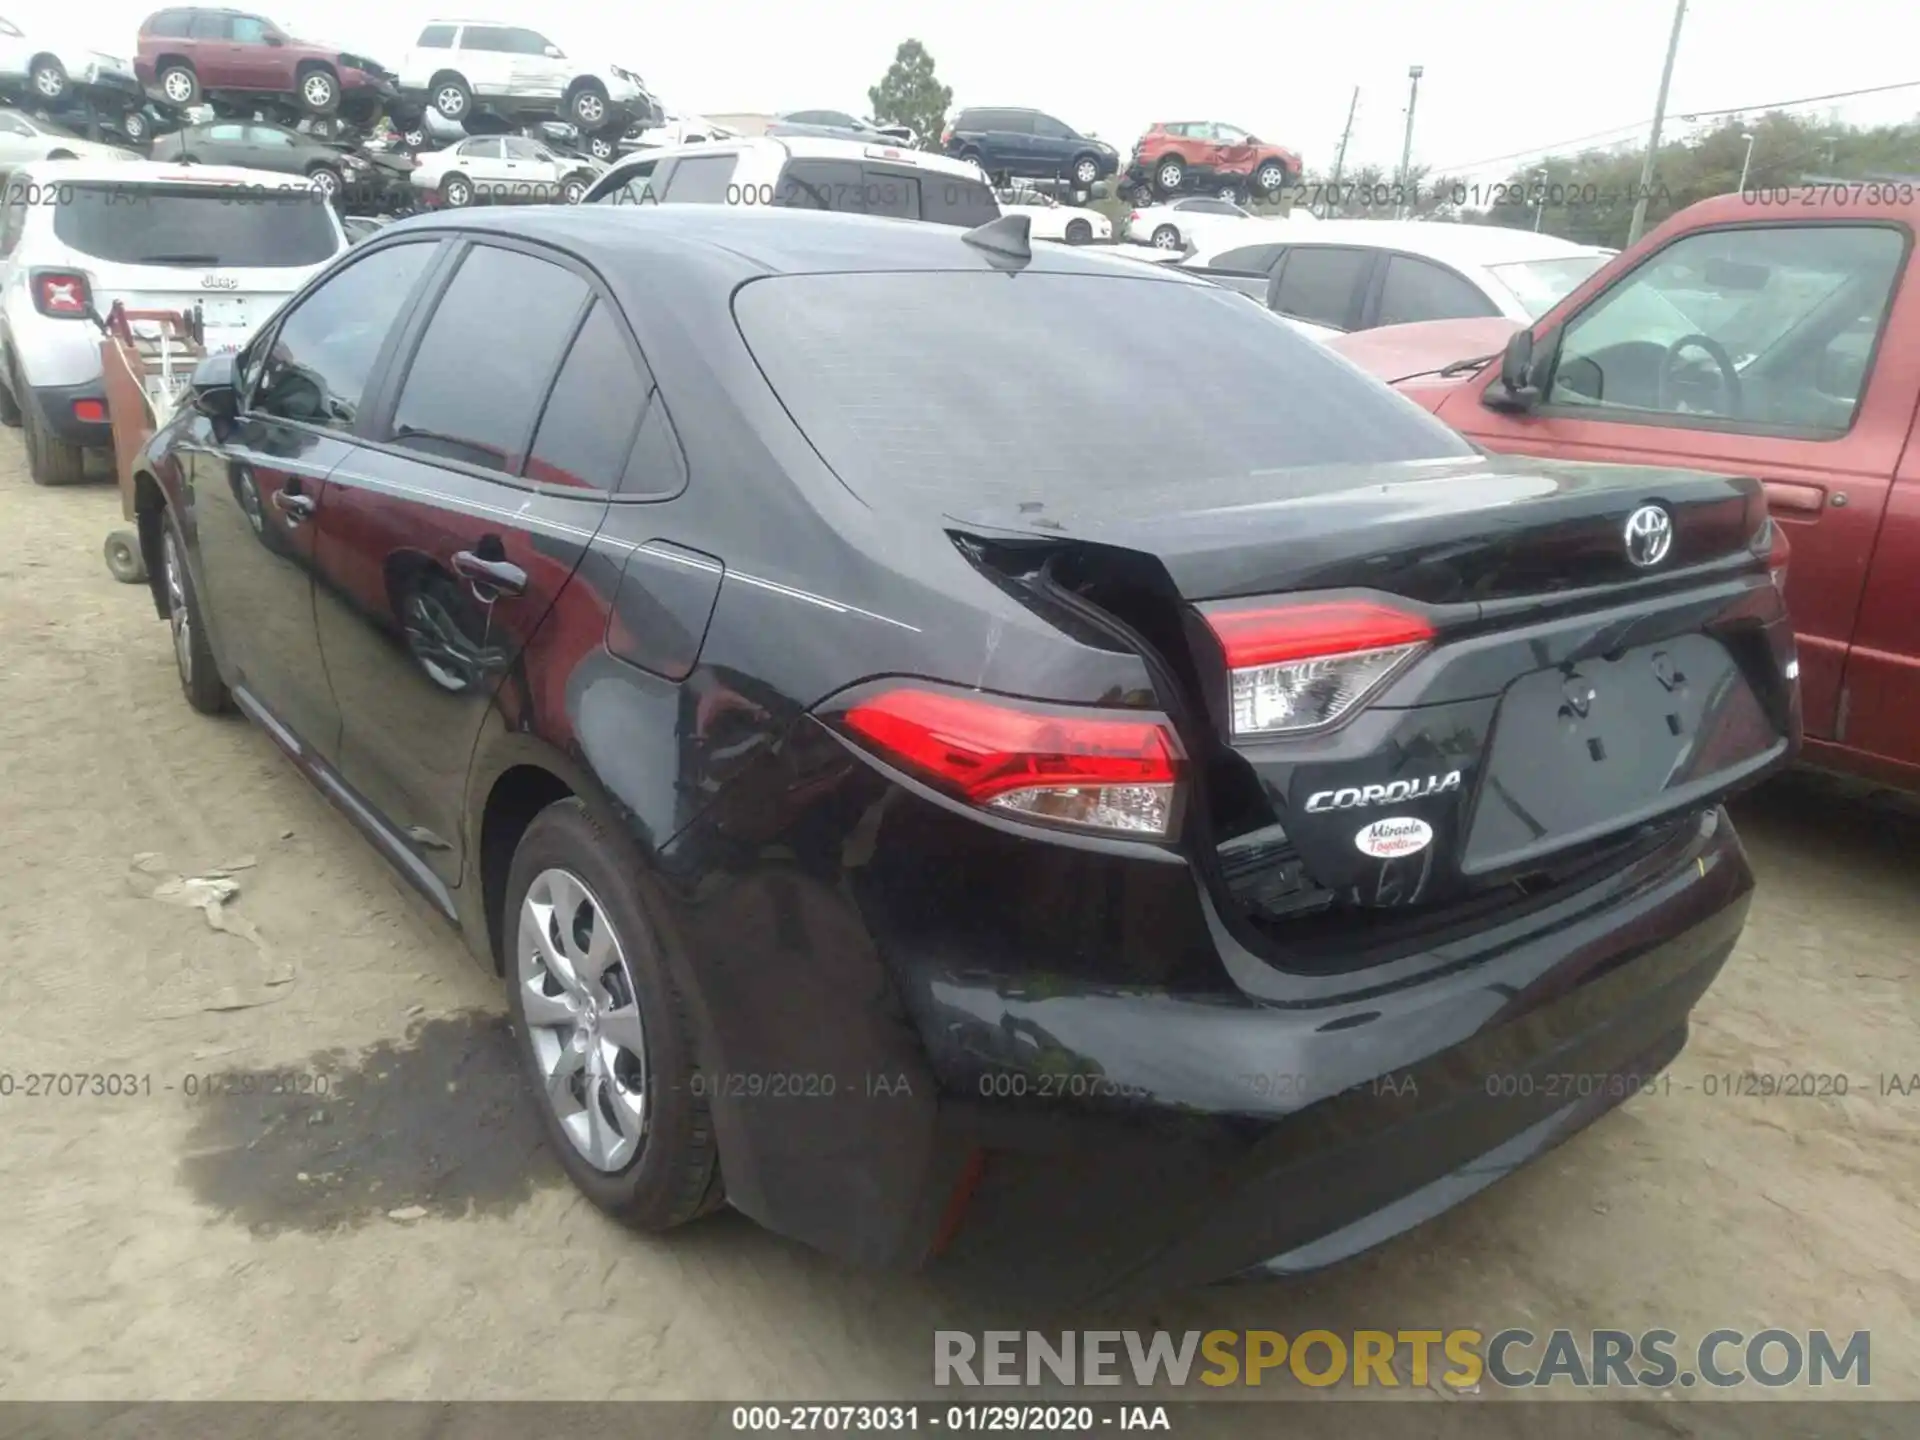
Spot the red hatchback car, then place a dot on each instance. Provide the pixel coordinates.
(189, 52)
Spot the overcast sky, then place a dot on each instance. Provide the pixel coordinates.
(1498, 78)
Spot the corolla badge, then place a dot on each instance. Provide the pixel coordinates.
(1355, 796)
(1649, 536)
(219, 282)
(1389, 839)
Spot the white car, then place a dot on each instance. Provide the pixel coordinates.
(1348, 275)
(48, 64)
(675, 130)
(504, 169)
(804, 172)
(23, 138)
(1202, 221)
(456, 64)
(78, 235)
(1051, 220)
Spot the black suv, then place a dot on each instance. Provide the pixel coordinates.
(1029, 145)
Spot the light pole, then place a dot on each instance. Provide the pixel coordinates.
(1747, 163)
(1406, 147)
(1653, 140)
(1540, 206)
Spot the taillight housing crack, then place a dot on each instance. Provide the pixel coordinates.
(1300, 666)
(1119, 773)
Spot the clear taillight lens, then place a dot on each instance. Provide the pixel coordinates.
(1299, 668)
(1085, 769)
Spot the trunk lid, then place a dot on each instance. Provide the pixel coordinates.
(1480, 529)
(1556, 709)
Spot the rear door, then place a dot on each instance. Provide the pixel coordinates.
(1751, 350)
(486, 59)
(1882, 678)
(257, 491)
(443, 548)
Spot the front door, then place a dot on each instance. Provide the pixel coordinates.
(257, 487)
(443, 548)
(1751, 350)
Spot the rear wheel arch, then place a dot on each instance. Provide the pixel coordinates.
(149, 515)
(516, 796)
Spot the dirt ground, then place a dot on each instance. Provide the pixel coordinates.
(192, 1240)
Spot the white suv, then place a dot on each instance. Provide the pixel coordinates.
(804, 172)
(49, 67)
(458, 63)
(77, 235)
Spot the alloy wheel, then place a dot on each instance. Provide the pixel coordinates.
(450, 102)
(1086, 172)
(178, 86)
(1166, 238)
(589, 108)
(318, 91)
(1171, 176)
(179, 617)
(50, 81)
(583, 1019)
(1272, 178)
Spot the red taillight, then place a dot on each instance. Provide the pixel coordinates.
(1303, 667)
(89, 410)
(62, 294)
(946, 137)
(1094, 770)
(1133, 215)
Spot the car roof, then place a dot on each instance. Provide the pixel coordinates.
(1442, 240)
(155, 172)
(807, 147)
(738, 243)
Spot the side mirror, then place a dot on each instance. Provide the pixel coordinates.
(274, 40)
(212, 387)
(552, 52)
(1524, 370)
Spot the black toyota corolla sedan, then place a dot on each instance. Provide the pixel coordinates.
(980, 755)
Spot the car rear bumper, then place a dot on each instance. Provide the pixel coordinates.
(1030, 1069)
(57, 404)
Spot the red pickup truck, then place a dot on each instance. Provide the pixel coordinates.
(1774, 334)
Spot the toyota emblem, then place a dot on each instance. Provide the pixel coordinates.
(1649, 536)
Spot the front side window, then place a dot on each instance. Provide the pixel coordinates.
(700, 180)
(466, 396)
(636, 188)
(1249, 259)
(1758, 328)
(249, 30)
(1416, 289)
(315, 366)
(1049, 128)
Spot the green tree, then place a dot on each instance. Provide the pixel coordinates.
(909, 94)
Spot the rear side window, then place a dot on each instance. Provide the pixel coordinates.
(1420, 290)
(1321, 283)
(701, 180)
(199, 226)
(955, 200)
(586, 432)
(904, 192)
(1249, 259)
(468, 396)
(957, 387)
(170, 23)
(436, 37)
(316, 364)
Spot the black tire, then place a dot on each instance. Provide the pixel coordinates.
(1166, 237)
(588, 107)
(9, 406)
(674, 1176)
(319, 91)
(1079, 232)
(452, 98)
(135, 126)
(50, 460)
(200, 678)
(1169, 174)
(122, 550)
(574, 189)
(330, 182)
(180, 92)
(1086, 170)
(977, 158)
(1270, 178)
(456, 191)
(47, 79)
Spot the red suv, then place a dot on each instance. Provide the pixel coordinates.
(187, 53)
(1177, 155)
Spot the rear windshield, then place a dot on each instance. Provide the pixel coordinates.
(976, 386)
(195, 225)
(869, 188)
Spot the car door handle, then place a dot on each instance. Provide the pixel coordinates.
(1797, 498)
(297, 505)
(501, 577)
